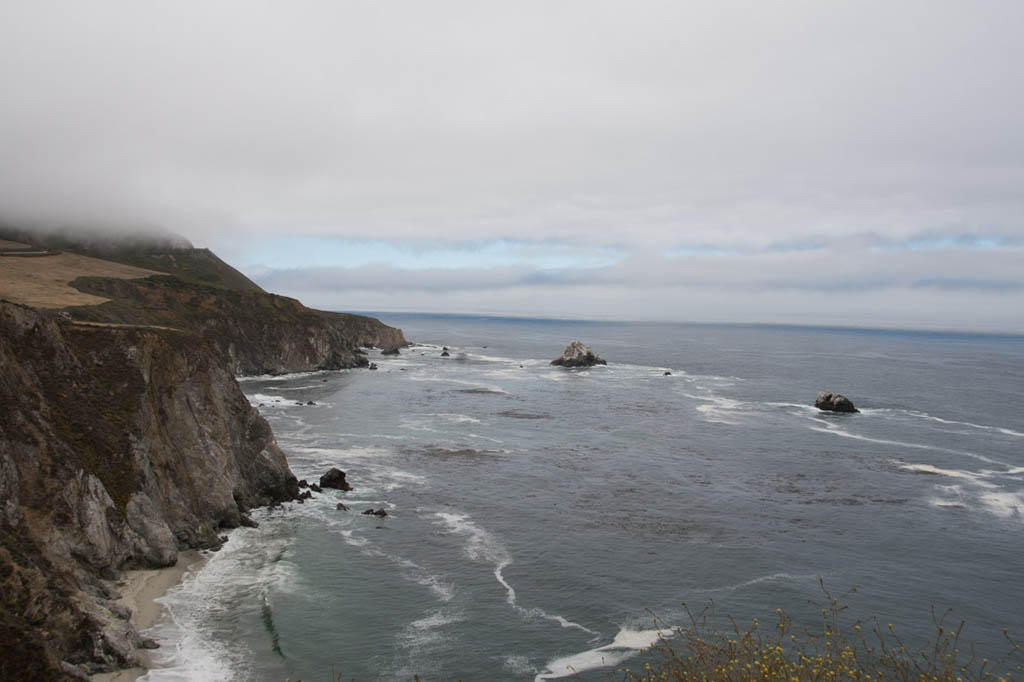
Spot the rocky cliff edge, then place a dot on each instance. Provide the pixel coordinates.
(119, 447)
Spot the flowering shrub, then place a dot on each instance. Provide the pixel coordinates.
(704, 652)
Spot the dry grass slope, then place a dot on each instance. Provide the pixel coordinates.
(43, 282)
(8, 245)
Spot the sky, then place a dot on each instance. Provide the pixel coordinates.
(850, 163)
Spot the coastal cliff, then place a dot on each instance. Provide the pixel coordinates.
(257, 332)
(124, 436)
(119, 447)
(176, 285)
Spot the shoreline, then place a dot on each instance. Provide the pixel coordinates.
(139, 591)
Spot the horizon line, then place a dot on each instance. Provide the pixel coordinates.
(708, 323)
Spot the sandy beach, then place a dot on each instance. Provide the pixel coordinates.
(139, 592)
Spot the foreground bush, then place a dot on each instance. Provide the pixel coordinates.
(829, 653)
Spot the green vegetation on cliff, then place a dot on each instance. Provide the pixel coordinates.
(828, 651)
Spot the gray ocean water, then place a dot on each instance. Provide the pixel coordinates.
(538, 516)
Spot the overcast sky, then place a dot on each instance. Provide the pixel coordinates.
(812, 162)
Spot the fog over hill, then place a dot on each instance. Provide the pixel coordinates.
(847, 163)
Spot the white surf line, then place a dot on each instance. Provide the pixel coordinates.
(836, 431)
(976, 478)
(762, 579)
(627, 643)
(806, 408)
(280, 377)
(993, 498)
(483, 546)
(925, 415)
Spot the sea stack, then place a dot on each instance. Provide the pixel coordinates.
(577, 354)
(831, 401)
(335, 478)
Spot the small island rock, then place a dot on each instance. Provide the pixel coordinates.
(834, 402)
(390, 351)
(577, 354)
(335, 478)
(445, 354)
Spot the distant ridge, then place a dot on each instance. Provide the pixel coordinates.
(161, 251)
(255, 331)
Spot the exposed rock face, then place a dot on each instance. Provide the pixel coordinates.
(577, 354)
(259, 333)
(118, 448)
(335, 478)
(834, 402)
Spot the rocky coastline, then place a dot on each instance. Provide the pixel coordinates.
(125, 441)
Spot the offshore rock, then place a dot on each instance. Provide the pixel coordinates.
(831, 401)
(577, 354)
(390, 351)
(335, 478)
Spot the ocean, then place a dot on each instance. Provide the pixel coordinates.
(544, 523)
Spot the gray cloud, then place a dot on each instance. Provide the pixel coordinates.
(814, 131)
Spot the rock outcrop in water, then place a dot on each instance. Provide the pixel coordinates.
(577, 354)
(335, 478)
(831, 401)
(119, 447)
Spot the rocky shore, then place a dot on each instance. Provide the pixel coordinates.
(126, 443)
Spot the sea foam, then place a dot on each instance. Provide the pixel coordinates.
(627, 643)
(482, 546)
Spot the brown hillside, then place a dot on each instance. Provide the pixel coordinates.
(42, 282)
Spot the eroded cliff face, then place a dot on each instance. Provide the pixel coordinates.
(119, 446)
(259, 333)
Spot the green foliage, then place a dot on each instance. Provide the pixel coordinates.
(830, 652)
